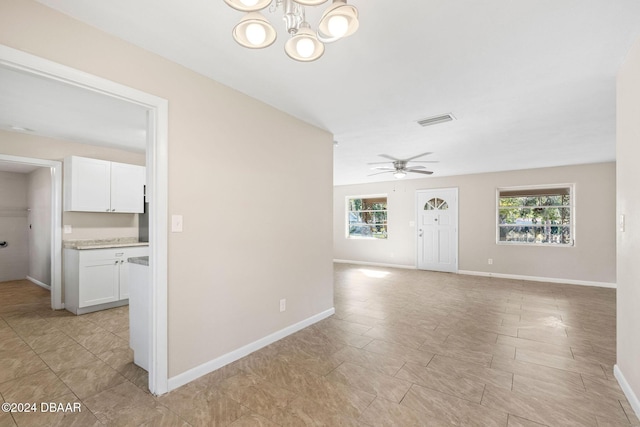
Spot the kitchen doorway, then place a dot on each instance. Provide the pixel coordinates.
(157, 186)
(55, 222)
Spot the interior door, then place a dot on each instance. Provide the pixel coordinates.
(437, 228)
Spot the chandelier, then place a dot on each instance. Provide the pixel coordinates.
(254, 31)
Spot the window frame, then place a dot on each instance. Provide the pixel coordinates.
(348, 211)
(571, 206)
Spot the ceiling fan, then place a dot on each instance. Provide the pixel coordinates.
(400, 168)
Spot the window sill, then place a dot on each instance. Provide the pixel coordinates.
(546, 245)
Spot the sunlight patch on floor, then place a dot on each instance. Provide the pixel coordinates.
(374, 274)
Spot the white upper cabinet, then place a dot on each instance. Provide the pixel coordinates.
(92, 185)
(127, 188)
(87, 185)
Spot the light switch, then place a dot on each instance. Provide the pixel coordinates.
(176, 223)
(68, 229)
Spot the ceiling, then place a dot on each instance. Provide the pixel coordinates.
(42, 106)
(531, 83)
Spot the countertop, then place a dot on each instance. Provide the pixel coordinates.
(119, 242)
(141, 260)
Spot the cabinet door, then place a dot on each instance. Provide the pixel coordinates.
(125, 281)
(87, 185)
(99, 282)
(127, 188)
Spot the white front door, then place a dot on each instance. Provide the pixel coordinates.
(437, 228)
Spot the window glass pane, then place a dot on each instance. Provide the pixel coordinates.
(436, 204)
(551, 200)
(510, 216)
(535, 216)
(367, 217)
(536, 234)
(516, 201)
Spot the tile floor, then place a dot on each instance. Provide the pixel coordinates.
(405, 348)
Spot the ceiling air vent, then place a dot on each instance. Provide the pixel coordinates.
(435, 120)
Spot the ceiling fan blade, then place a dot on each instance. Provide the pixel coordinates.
(379, 163)
(419, 155)
(378, 173)
(425, 161)
(386, 156)
(383, 168)
(422, 172)
(414, 168)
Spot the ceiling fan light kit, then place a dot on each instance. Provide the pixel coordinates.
(254, 31)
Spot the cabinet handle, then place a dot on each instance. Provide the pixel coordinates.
(122, 262)
(117, 262)
(108, 210)
(113, 210)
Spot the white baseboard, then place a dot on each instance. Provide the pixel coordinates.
(626, 389)
(539, 279)
(212, 365)
(39, 283)
(374, 264)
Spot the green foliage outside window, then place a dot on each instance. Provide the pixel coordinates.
(367, 217)
(535, 218)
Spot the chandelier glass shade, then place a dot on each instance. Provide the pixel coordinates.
(254, 31)
(338, 21)
(248, 5)
(304, 46)
(311, 2)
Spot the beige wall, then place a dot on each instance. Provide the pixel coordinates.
(27, 145)
(84, 225)
(14, 259)
(628, 178)
(245, 245)
(39, 203)
(592, 259)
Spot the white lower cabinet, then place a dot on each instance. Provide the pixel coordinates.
(97, 279)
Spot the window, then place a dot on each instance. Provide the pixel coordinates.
(436, 204)
(367, 217)
(536, 215)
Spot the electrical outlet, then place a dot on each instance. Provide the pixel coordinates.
(490, 261)
(283, 305)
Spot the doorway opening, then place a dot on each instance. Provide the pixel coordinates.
(157, 187)
(47, 215)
